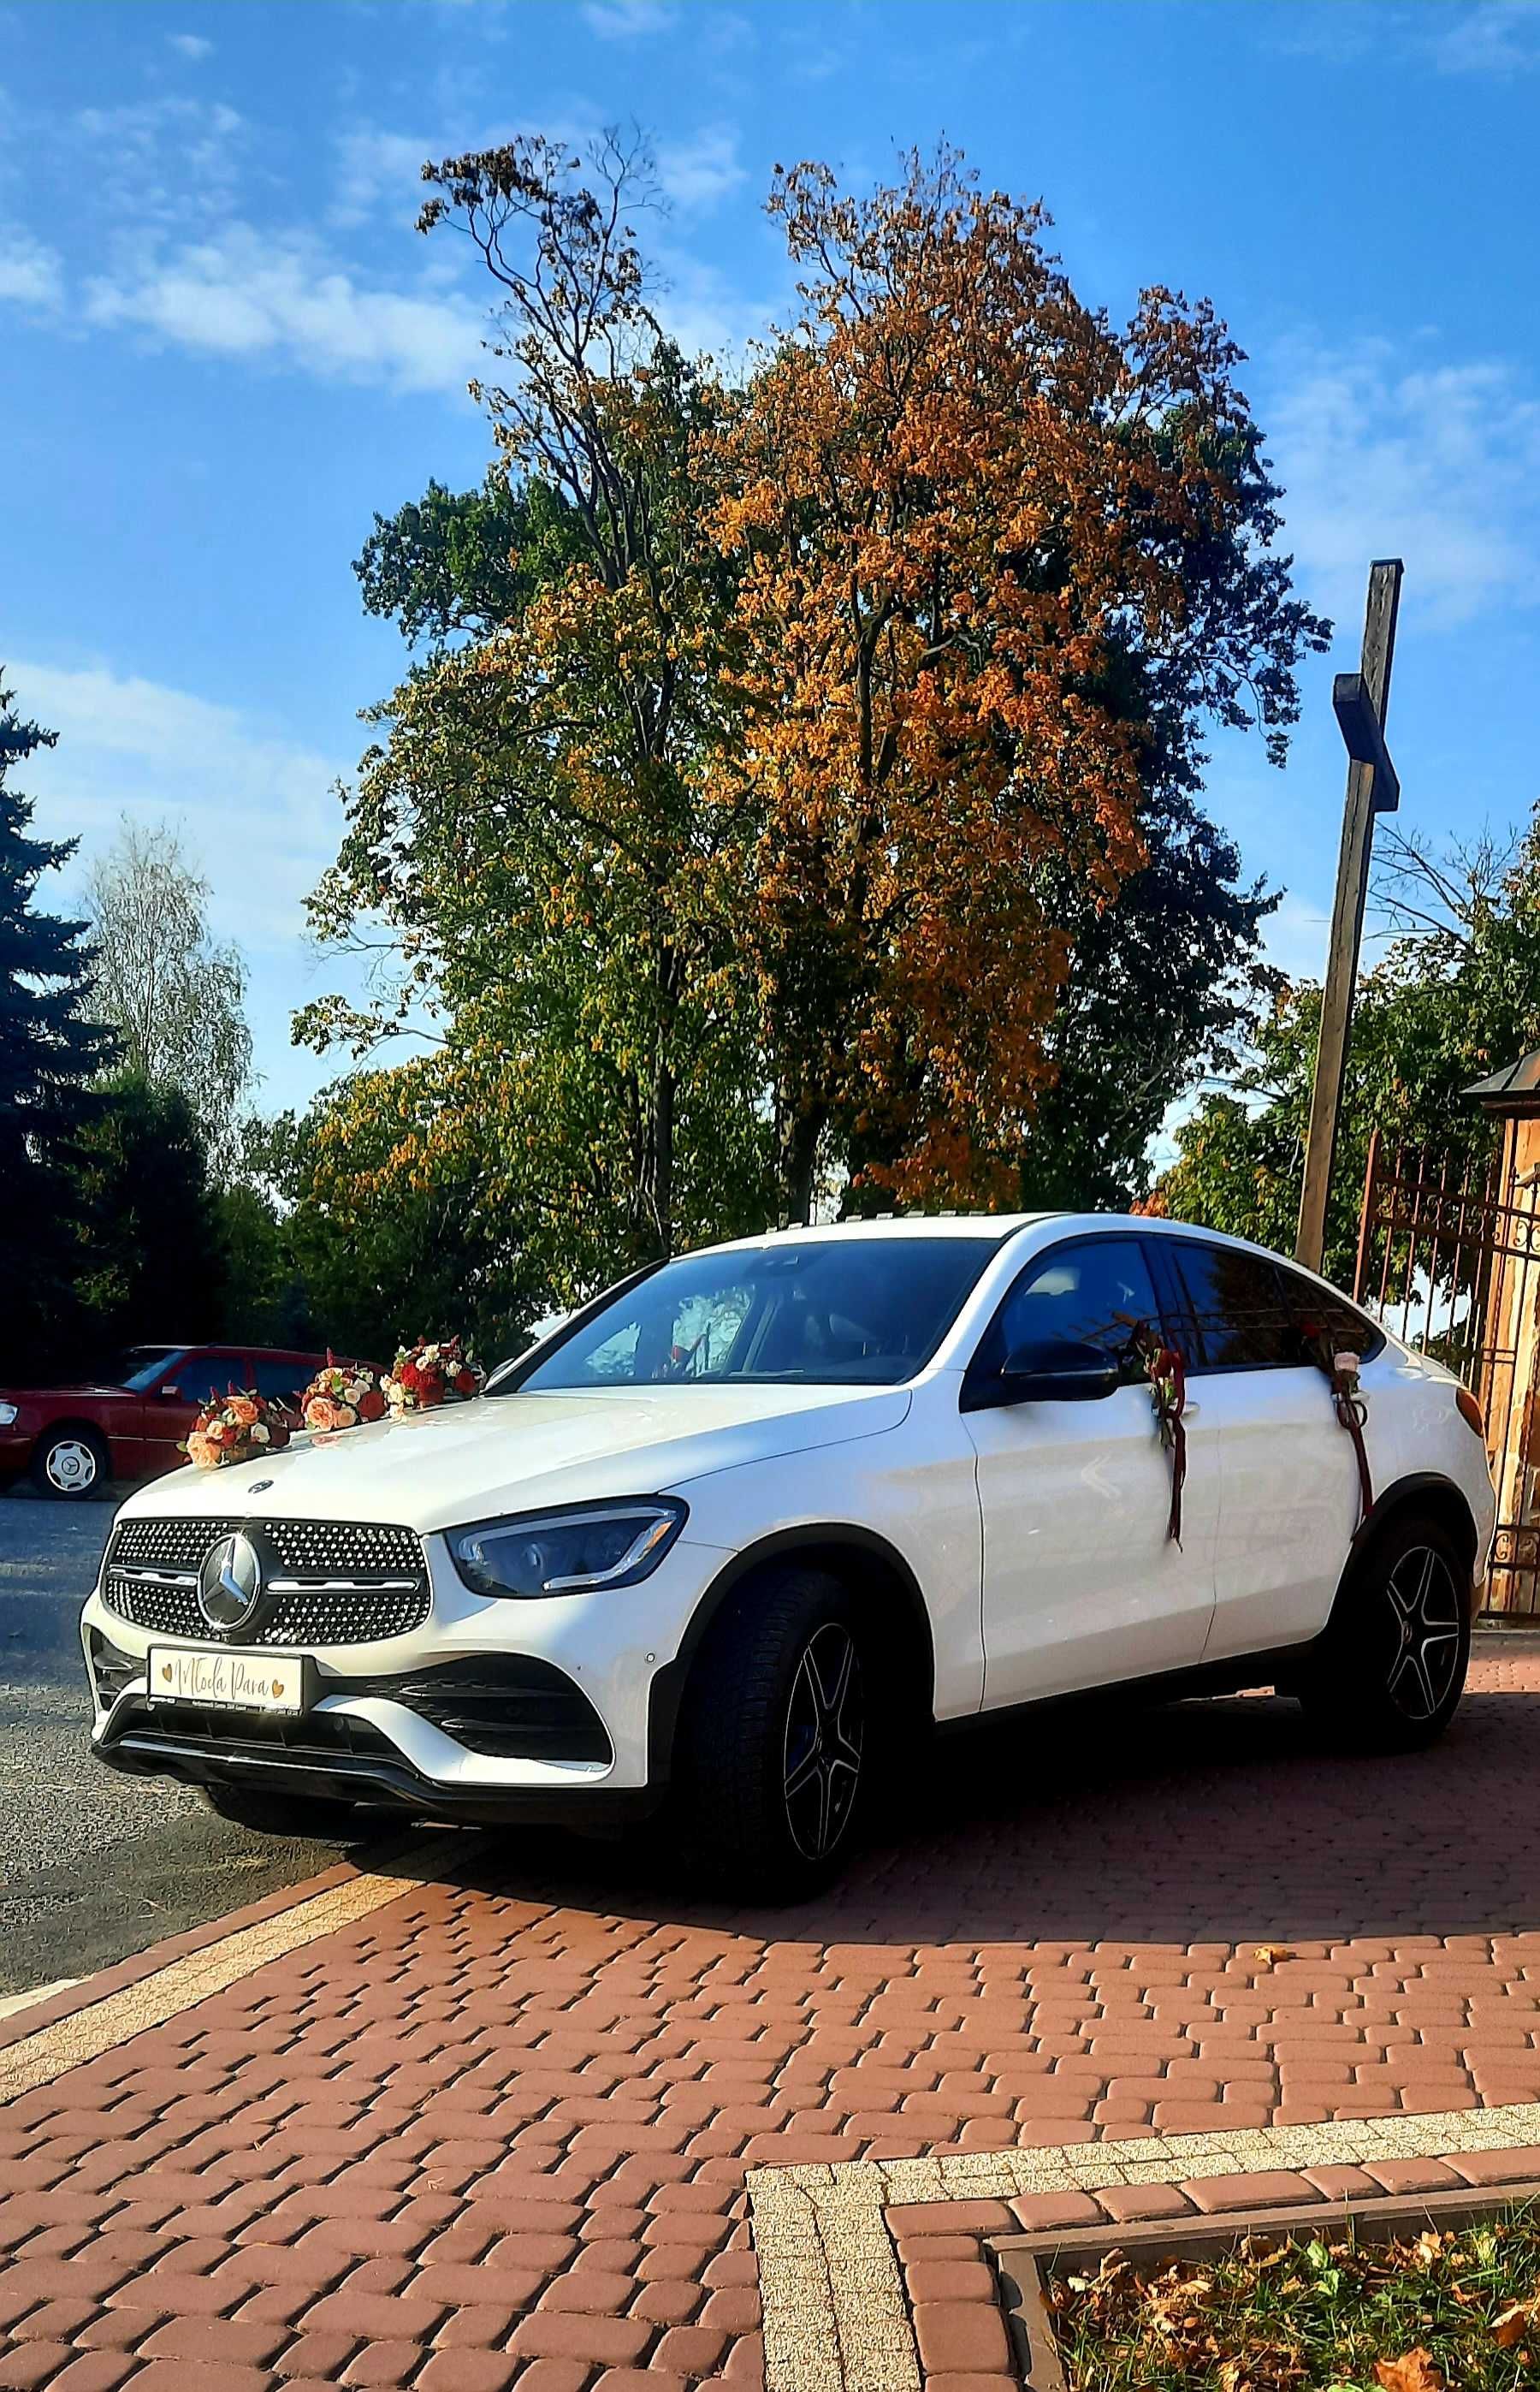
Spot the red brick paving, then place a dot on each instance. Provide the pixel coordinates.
(496, 2134)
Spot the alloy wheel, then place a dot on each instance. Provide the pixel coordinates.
(1425, 1618)
(826, 1729)
(72, 1465)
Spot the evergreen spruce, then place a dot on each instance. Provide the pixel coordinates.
(51, 1052)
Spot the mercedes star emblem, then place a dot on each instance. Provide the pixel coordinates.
(229, 1584)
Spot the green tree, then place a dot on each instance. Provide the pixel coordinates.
(533, 836)
(1456, 995)
(52, 1048)
(150, 1262)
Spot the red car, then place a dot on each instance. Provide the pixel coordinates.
(130, 1424)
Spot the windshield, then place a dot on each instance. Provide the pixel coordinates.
(828, 1312)
(141, 1366)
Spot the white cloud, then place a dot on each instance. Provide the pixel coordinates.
(250, 293)
(627, 20)
(155, 163)
(697, 174)
(30, 274)
(1437, 465)
(1496, 37)
(254, 805)
(372, 166)
(191, 45)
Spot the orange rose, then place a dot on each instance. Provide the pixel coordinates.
(203, 1451)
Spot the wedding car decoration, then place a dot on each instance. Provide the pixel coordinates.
(342, 1395)
(235, 1428)
(436, 1371)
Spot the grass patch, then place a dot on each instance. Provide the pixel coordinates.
(1458, 2311)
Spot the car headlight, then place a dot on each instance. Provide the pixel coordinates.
(597, 1545)
(7, 1413)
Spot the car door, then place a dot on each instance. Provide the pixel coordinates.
(1082, 1585)
(176, 1396)
(1289, 1500)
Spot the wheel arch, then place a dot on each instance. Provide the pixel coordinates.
(1420, 1490)
(867, 1562)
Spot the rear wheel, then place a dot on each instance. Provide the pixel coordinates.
(298, 1816)
(774, 1743)
(1392, 1667)
(70, 1464)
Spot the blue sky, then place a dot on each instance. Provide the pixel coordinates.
(222, 347)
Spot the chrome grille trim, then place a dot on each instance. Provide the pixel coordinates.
(345, 1582)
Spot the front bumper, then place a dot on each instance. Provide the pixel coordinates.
(489, 1710)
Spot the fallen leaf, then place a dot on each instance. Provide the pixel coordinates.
(1415, 2371)
(1513, 2324)
(1267, 1955)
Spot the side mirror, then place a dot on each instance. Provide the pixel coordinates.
(1058, 1371)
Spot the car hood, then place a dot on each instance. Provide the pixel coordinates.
(500, 1453)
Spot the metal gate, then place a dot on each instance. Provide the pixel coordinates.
(1449, 1258)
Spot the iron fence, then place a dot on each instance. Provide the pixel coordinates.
(1449, 1258)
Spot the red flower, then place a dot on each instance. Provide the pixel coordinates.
(410, 1375)
(465, 1382)
(371, 1406)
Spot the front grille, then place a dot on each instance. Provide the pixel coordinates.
(340, 1581)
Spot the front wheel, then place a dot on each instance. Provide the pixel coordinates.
(70, 1464)
(775, 1739)
(1392, 1667)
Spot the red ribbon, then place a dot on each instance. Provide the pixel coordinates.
(1168, 1377)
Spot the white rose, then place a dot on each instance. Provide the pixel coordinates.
(259, 1435)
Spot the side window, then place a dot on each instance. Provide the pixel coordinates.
(204, 1374)
(1239, 1312)
(1094, 1291)
(1346, 1327)
(280, 1382)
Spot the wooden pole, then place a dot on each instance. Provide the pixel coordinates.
(1347, 925)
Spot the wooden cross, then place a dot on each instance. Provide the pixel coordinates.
(1360, 701)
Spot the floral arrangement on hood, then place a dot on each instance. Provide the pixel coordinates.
(342, 1394)
(238, 1428)
(435, 1372)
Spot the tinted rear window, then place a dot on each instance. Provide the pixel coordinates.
(1240, 1314)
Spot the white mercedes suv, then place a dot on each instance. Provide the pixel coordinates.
(740, 1530)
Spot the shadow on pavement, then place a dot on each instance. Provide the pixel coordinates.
(1217, 1821)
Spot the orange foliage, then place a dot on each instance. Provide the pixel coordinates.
(950, 487)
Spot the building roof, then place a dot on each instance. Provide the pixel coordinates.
(1515, 1089)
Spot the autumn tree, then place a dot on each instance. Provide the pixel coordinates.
(962, 503)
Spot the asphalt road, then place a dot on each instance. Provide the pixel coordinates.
(93, 1865)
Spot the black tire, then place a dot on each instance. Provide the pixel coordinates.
(775, 1739)
(1391, 1666)
(298, 1817)
(69, 1466)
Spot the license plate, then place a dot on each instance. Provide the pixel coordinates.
(227, 1681)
